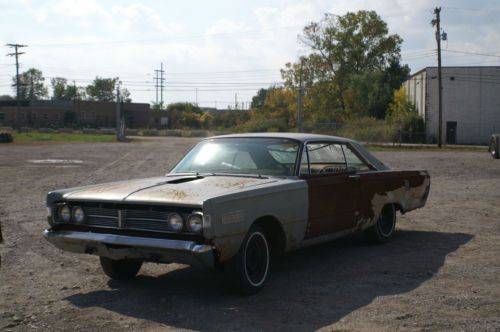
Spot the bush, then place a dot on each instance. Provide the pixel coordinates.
(272, 125)
(150, 132)
(368, 129)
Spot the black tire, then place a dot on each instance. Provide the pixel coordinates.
(120, 269)
(384, 229)
(248, 270)
(494, 147)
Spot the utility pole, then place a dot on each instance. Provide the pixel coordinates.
(119, 125)
(235, 101)
(16, 54)
(437, 23)
(299, 99)
(161, 84)
(196, 92)
(156, 84)
(74, 98)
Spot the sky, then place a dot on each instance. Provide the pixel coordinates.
(218, 52)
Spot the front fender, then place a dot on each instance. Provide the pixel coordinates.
(233, 215)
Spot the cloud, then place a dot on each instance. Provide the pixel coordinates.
(114, 38)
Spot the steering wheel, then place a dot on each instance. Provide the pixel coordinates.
(329, 169)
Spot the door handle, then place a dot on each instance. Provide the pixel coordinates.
(354, 176)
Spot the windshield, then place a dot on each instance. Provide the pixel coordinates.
(266, 156)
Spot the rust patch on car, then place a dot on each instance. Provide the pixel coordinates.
(338, 202)
(178, 194)
(240, 183)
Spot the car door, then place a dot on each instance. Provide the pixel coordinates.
(333, 188)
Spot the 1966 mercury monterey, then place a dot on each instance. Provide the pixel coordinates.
(237, 201)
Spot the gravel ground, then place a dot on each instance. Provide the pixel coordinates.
(441, 272)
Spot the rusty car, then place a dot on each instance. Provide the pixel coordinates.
(237, 202)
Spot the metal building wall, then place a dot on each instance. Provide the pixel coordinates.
(471, 98)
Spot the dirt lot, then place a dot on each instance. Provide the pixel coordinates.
(441, 272)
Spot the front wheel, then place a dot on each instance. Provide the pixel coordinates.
(383, 230)
(249, 268)
(120, 269)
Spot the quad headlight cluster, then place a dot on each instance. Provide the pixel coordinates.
(67, 214)
(177, 222)
(193, 222)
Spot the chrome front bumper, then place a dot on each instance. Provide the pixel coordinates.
(131, 247)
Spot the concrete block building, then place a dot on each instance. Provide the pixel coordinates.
(471, 102)
(82, 113)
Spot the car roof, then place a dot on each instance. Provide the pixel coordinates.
(295, 136)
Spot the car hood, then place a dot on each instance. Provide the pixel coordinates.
(178, 190)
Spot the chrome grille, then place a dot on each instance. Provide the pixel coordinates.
(146, 220)
(101, 217)
(131, 219)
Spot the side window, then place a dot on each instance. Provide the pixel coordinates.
(326, 158)
(353, 161)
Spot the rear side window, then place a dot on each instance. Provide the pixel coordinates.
(353, 161)
(331, 157)
(325, 158)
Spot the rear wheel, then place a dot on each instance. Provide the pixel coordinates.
(120, 269)
(383, 230)
(248, 270)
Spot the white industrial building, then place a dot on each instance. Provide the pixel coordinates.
(471, 102)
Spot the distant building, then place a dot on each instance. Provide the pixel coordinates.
(81, 113)
(471, 102)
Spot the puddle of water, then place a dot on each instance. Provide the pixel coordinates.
(55, 161)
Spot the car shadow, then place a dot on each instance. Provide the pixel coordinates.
(308, 289)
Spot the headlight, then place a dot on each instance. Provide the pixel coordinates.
(65, 213)
(175, 222)
(78, 215)
(195, 223)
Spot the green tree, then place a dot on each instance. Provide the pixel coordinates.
(342, 50)
(31, 85)
(259, 99)
(6, 97)
(59, 86)
(102, 89)
(61, 90)
(370, 92)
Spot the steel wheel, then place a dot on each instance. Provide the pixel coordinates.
(256, 259)
(248, 270)
(383, 230)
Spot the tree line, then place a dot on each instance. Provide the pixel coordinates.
(32, 87)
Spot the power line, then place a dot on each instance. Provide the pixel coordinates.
(177, 38)
(473, 53)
